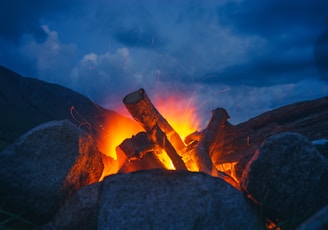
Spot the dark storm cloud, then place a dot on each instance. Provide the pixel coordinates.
(138, 37)
(273, 18)
(19, 17)
(247, 56)
(265, 70)
(131, 23)
(291, 29)
(21, 25)
(11, 58)
(321, 54)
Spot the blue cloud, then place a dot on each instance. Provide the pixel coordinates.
(273, 18)
(107, 48)
(19, 17)
(321, 54)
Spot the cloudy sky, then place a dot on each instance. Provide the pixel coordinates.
(248, 56)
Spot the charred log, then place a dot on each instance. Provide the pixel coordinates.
(239, 142)
(222, 142)
(145, 113)
(159, 137)
(206, 139)
(137, 153)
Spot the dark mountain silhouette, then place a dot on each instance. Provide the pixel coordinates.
(28, 102)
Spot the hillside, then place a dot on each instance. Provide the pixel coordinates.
(27, 102)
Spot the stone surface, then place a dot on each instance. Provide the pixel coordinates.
(160, 199)
(79, 212)
(45, 166)
(319, 221)
(289, 179)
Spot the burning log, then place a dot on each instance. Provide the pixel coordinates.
(309, 118)
(158, 136)
(222, 142)
(145, 113)
(227, 143)
(138, 153)
(206, 139)
(239, 142)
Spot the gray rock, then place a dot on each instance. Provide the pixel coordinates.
(289, 179)
(79, 212)
(160, 199)
(45, 166)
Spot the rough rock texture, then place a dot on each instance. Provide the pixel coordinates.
(319, 221)
(45, 166)
(79, 212)
(160, 199)
(288, 177)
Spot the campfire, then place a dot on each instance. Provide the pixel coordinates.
(58, 170)
(157, 144)
(220, 150)
(234, 154)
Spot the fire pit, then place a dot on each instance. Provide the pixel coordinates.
(220, 150)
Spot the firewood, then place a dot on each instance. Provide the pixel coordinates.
(137, 153)
(309, 118)
(227, 143)
(206, 139)
(239, 142)
(159, 137)
(145, 113)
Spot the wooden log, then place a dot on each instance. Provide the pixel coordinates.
(145, 113)
(137, 153)
(206, 139)
(239, 142)
(159, 137)
(226, 143)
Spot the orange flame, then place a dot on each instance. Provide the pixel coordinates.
(180, 114)
(116, 129)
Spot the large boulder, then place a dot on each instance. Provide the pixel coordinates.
(161, 199)
(288, 177)
(79, 212)
(45, 166)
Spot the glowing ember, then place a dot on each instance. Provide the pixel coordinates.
(165, 160)
(228, 168)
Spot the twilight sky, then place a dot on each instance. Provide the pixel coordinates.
(248, 56)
